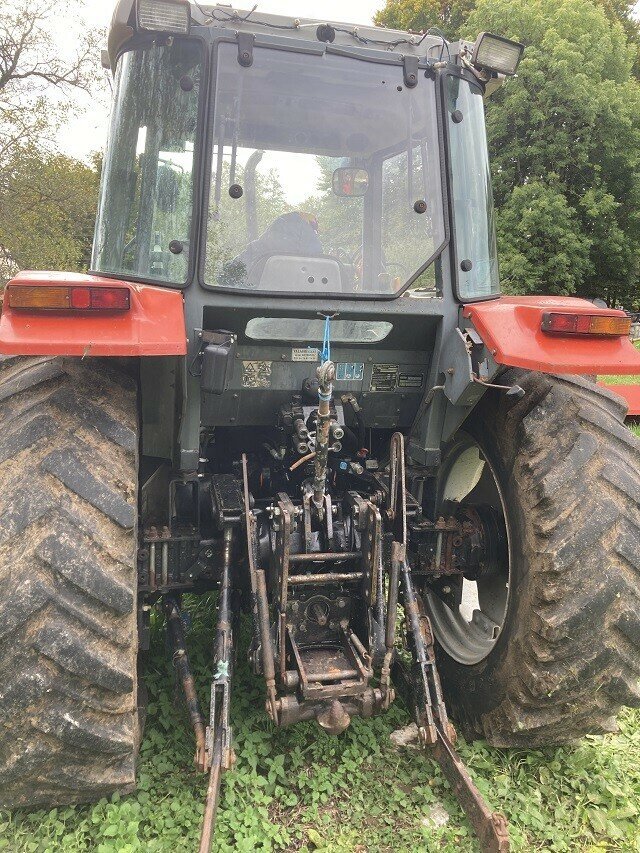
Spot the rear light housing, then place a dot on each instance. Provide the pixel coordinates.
(69, 299)
(589, 325)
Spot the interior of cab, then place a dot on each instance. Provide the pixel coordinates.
(325, 175)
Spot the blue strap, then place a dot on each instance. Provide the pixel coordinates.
(326, 345)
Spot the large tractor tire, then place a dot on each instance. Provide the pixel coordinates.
(549, 646)
(68, 636)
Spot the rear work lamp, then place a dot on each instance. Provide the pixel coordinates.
(494, 53)
(165, 16)
(68, 298)
(596, 325)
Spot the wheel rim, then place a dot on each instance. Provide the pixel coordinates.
(469, 632)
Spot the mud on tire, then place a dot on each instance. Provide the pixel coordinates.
(68, 636)
(569, 653)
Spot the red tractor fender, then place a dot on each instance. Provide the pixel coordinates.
(153, 325)
(629, 393)
(511, 328)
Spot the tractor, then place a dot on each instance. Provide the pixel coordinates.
(290, 377)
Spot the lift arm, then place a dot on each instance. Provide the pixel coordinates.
(420, 683)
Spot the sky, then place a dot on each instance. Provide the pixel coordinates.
(87, 133)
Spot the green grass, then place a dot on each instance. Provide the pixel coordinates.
(299, 789)
(621, 380)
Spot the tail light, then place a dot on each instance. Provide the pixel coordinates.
(596, 325)
(69, 298)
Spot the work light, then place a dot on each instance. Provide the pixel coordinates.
(494, 53)
(166, 16)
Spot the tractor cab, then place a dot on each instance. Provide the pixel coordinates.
(268, 156)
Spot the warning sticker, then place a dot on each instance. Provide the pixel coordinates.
(256, 374)
(349, 371)
(304, 354)
(384, 377)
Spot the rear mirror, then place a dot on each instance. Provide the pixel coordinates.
(350, 183)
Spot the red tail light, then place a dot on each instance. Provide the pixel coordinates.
(69, 298)
(596, 325)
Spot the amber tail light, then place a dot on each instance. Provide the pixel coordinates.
(68, 298)
(596, 325)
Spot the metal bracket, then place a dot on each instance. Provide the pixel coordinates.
(457, 366)
(246, 42)
(411, 66)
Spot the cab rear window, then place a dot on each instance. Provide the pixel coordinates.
(299, 330)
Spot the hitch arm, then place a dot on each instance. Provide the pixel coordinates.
(423, 694)
(183, 670)
(420, 683)
(219, 753)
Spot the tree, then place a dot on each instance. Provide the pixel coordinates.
(420, 15)
(624, 12)
(543, 247)
(32, 68)
(47, 213)
(451, 17)
(566, 135)
(36, 187)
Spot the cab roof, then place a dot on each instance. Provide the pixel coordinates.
(254, 21)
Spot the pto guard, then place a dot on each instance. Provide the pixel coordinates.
(510, 328)
(153, 326)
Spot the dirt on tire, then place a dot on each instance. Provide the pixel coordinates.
(68, 633)
(568, 656)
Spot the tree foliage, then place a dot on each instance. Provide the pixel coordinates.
(420, 15)
(37, 204)
(565, 142)
(47, 213)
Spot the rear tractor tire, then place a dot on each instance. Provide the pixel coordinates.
(68, 635)
(549, 647)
